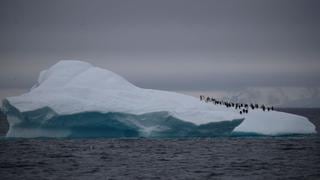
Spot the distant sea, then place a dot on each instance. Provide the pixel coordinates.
(296, 157)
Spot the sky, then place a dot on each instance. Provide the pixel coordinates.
(194, 47)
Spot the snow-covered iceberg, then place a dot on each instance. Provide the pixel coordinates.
(77, 99)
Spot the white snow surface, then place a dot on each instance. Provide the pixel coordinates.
(275, 123)
(71, 87)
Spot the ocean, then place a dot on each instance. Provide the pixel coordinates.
(290, 157)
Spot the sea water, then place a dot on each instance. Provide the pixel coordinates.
(290, 157)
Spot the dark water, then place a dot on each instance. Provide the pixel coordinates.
(213, 158)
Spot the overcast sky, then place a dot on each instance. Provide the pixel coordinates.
(185, 46)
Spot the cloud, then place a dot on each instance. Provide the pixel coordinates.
(175, 45)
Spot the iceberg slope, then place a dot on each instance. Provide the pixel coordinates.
(274, 123)
(76, 99)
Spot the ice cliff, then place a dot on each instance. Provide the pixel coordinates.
(76, 99)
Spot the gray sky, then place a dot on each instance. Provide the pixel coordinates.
(186, 46)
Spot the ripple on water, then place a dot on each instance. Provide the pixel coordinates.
(221, 158)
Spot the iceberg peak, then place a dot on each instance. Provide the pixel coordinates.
(80, 74)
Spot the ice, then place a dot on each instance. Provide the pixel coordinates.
(275, 123)
(77, 99)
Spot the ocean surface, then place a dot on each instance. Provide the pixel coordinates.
(295, 157)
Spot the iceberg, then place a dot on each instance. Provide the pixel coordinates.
(76, 99)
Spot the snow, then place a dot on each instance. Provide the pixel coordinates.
(275, 123)
(72, 87)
